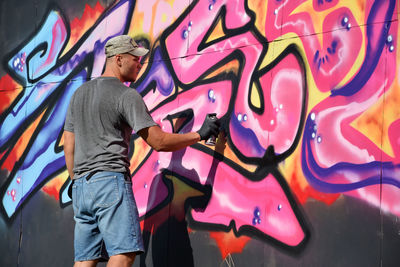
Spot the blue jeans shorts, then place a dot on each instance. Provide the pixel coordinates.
(106, 216)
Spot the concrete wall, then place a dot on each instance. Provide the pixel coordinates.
(308, 173)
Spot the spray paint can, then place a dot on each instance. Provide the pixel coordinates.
(212, 140)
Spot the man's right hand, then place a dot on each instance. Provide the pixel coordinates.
(210, 127)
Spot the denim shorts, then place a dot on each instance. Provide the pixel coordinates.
(106, 216)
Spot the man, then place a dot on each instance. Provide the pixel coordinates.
(100, 119)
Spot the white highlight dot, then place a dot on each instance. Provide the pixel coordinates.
(312, 116)
(16, 61)
(211, 93)
(239, 117)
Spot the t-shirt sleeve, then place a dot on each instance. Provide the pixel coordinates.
(69, 119)
(134, 110)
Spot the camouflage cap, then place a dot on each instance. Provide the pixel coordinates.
(124, 44)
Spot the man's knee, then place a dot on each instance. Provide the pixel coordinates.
(130, 256)
(92, 263)
(125, 259)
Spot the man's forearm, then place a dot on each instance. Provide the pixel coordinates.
(69, 161)
(173, 142)
(69, 149)
(162, 141)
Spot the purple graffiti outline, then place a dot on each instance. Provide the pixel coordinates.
(80, 57)
(331, 179)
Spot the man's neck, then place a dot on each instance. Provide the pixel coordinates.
(111, 73)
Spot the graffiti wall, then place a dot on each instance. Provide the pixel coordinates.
(306, 169)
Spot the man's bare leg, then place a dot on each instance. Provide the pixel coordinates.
(92, 263)
(122, 260)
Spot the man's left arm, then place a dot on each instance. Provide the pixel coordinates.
(69, 149)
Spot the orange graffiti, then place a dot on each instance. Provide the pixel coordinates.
(228, 243)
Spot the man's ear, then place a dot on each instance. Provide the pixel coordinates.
(118, 60)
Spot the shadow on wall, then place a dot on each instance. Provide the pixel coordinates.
(170, 243)
(166, 229)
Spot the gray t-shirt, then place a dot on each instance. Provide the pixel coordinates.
(102, 114)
